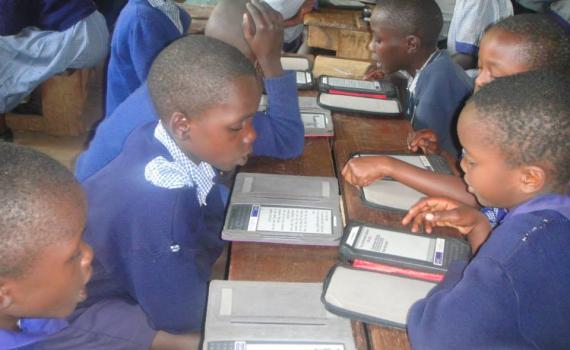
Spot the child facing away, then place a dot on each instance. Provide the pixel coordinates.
(45, 266)
(513, 294)
(261, 45)
(157, 209)
(143, 29)
(513, 45)
(404, 38)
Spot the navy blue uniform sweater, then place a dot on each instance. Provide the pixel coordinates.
(140, 33)
(440, 93)
(514, 292)
(54, 15)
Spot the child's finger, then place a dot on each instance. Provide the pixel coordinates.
(255, 14)
(247, 27)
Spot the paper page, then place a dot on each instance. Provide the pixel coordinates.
(294, 220)
(395, 243)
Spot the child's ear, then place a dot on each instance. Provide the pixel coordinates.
(533, 179)
(5, 297)
(414, 43)
(180, 125)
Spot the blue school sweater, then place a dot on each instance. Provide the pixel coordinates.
(514, 292)
(55, 15)
(141, 32)
(440, 93)
(152, 244)
(279, 130)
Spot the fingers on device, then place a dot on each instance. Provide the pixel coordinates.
(390, 195)
(317, 121)
(243, 315)
(350, 95)
(284, 209)
(302, 67)
(372, 297)
(402, 253)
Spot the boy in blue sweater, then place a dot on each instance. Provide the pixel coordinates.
(263, 47)
(404, 38)
(514, 292)
(156, 210)
(143, 29)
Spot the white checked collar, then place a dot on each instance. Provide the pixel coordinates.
(171, 10)
(181, 172)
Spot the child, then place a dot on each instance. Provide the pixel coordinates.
(511, 46)
(514, 292)
(143, 29)
(42, 38)
(45, 265)
(470, 18)
(405, 34)
(559, 10)
(263, 48)
(158, 208)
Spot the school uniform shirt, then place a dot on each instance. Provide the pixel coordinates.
(143, 29)
(469, 21)
(558, 9)
(436, 95)
(514, 292)
(279, 130)
(31, 332)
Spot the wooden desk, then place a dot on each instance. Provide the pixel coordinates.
(355, 134)
(290, 263)
(343, 31)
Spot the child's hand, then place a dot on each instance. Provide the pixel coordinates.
(373, 72)
(424, 139)
(307, 7)
(363, 171)
(441, 212)
(263, 32)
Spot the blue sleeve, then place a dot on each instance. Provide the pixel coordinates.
(280, 131)
(476, 310)
(147, 38)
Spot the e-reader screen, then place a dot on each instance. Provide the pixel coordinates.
(245, 345)
(402, 245)
(280, 219)
(301, 77)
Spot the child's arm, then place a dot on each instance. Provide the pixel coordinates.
(474, 307)
(280, 131)
(362, 171)
(441, 212)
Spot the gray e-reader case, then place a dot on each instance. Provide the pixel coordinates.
(287, 209)
(317, 121)
(244, 315)
(390, 195)
(302, 68)
(372, 297)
